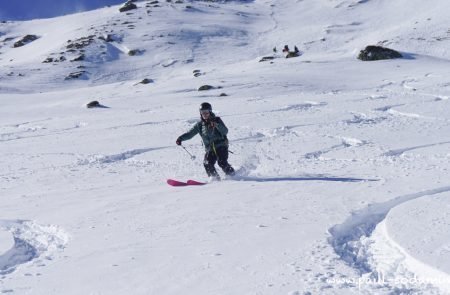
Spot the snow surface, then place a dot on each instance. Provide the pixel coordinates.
(343, 165)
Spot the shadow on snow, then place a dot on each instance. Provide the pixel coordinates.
(304, 178)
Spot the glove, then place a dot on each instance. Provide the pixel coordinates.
(178, 142)
(213, 123)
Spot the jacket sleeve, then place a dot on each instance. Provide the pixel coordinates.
(191, 133)
(221, 126)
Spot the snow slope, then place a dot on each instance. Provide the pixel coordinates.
(343, 165)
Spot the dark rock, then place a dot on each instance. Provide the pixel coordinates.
(205, 87)
(134, 52)
(373, 52)
(108, 38)
(93, 104)
(223, 94)
(81, 57)
(197, 73)
(266, 58)
(146, 81)
(25, 40)
(128, 6)
(80, 43)
(51, 59)
(292, 54)
(75, 75)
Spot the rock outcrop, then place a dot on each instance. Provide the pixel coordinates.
(25, 40)
(373, 52)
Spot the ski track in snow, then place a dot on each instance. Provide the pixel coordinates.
(346, 142)
(318, 177)
(31, 242)
(363, 119)
(399, 152)
(28, 131)
(348, 238)
(109, 159)
(301, 107)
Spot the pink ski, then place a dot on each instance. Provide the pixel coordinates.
(194, 182)
(174, 182)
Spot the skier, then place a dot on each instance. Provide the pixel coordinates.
(214, 135)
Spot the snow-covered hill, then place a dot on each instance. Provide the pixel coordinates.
(343, 164)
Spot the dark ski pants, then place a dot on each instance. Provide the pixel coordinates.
(221, 156)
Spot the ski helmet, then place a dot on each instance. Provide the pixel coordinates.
(205, 107)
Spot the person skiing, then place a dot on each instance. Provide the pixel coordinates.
(214, 136)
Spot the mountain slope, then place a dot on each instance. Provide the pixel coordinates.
(336, 157)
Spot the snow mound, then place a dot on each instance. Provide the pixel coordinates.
(417, 230)
(364, 243)
(31, 241)
(6, 242)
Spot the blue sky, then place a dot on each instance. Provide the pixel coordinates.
(31, 9)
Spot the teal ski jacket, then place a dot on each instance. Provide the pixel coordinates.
(212, 137)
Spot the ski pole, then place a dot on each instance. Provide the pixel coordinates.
(192, 156)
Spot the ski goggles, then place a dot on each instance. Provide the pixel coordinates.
(204, 112)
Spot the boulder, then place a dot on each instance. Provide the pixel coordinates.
(93, 104)
(292, 54)
(80, 43)
(266, 58)
(146, 81)
(373, 52)
(205, 87)
(51, 59)
(134, 52)
(129, 5)
(25, 40)
(48, 60)
(80, 57)
(197, 73)
(75, 75)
